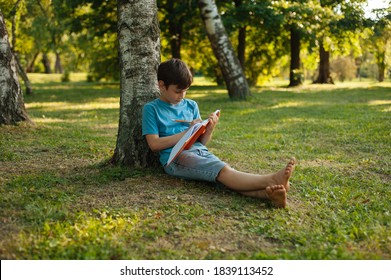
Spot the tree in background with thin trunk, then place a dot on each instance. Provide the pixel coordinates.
(22, 72)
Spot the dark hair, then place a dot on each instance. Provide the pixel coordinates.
(175, 72)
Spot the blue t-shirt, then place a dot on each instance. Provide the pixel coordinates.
(159, 118)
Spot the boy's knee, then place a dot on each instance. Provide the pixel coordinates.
(223, 171)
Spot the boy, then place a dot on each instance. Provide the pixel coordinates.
(162, 131)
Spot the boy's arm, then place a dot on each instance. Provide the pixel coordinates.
(157, 143)
(207, 136)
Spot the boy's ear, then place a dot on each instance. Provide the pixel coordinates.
(161, 84)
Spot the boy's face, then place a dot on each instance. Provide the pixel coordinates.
(172, 94)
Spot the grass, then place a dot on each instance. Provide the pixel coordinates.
(59, 202)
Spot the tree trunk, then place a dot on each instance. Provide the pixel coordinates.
(176, 39)
(382, 70)
(295, 74)
(241, 38)
(46, 63)
(381, 65)
(358, 62)
(31, 65)
(12, 109)
(234, 78)
(29, 89)
(139, 55)
(26, 80)
(175, 29)
(324, 76)
(58, 66)
(242, 46)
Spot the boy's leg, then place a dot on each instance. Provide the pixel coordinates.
(196, 164)
(277, 195)
(247, 182)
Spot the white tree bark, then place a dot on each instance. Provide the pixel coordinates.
(139, 54)
(230, 66)
(12, 109)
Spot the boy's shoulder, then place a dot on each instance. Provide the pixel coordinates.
(190, 101)
(158, 103)
(153, 103)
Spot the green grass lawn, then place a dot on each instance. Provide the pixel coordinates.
(59, 201)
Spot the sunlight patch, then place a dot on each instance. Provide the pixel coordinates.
(290, 104)
(379, 102)
(101, 103)
(197, 95)
(247, 111)
(40, 105)
(294, 120)
(45, 120)
(48, 120)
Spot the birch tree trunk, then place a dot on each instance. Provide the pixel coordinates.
(234, 77)
(139, 55)
(12, 109)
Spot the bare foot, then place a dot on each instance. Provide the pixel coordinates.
(277, 194)
(282, 176)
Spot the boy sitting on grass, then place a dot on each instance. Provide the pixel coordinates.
(162, 131)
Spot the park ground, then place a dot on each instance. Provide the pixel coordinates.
(60, 200)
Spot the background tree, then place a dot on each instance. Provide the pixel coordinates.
(85, 48)
(139, 53)
(175, 22)
(340, 22)
(257, 28)
(34, 33)
(381, 38)
(234, 78)
(21, 70)
(295, 73)
(324, 72)
(301, 19)
(12, 109)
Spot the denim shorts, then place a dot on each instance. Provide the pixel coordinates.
(196, 164)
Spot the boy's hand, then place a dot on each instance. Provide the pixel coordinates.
(213, 120)
(195, 121)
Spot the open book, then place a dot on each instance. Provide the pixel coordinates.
(189, 139)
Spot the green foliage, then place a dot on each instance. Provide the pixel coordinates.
(60, 200)
(94, 28)
(381, 41)
(84, 34)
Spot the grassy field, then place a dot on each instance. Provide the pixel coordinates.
(59, 201)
